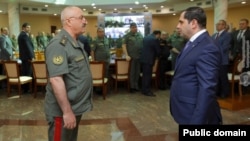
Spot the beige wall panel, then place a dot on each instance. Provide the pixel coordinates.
(162, 22)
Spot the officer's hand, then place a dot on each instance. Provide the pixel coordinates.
(128, 58)
(69, 120)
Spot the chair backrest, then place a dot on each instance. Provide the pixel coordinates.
(39, 70)
(122, 66)
(238, 66)
(97, 69)
(12, 69)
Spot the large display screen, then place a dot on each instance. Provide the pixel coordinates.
(118, 24)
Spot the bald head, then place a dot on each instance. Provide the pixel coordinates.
(73, 21)
(69, 12)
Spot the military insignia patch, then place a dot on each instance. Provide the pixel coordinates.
(58, 60)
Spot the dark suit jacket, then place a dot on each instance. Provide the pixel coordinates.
(150, 50)
(194, 84)
(236, 45)
(4, 54)
(26, 48)
(84, 40)
(223, 42)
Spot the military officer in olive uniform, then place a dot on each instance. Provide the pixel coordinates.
(132, 46)
(177, 43)
(100, 49)
(69, 91)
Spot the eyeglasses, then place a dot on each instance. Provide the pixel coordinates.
(79, 18)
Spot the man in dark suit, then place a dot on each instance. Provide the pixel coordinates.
(150, 51)
(223, 39)
(194, 84)
(239, 37)
(26, 52)
(163, 60)
(239, 40)
(84, 40)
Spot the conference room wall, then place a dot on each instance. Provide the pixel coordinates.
(169, 22)
(163, 22)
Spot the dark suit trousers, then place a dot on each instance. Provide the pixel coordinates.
(146, 77)
(224, 86)
(163, 64)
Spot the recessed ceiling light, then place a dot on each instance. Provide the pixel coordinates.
(137, 2)
(115, 9)
(100, 9)
(46, 5)
(94, 7)
(144, 5)
(162, 6)
(243, 2)
(131, 8)
(60, 2)
(93, 4)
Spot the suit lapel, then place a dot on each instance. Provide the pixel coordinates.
(184, 53)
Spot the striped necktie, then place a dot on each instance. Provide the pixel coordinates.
(239, 36)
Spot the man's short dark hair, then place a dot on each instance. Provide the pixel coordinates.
(100, 29)
(133, 24)
(155, 32)
(196, 13)
(25, 25)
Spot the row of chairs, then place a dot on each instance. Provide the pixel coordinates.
(13, 77)
(40, 76)
(121, 74)
(98, 74)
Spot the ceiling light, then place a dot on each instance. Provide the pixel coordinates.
(137, 2)
(131, 8)
(84, 9)
(243, 2)
(100, 9)
(115, 9)
(93, 4)
(46, 5)
(94, 7)
(60, 2)
(162, 6)
(174, 14)
(144, 5)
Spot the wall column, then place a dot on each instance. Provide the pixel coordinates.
(220, 10)
(13, 16)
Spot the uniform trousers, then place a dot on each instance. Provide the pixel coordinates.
(66, 134)
(134, 73)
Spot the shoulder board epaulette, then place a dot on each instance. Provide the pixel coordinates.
(64, 40)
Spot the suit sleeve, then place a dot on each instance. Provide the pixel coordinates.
(30, 48)
(226, 44)
(207, 69)
(3, 52)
